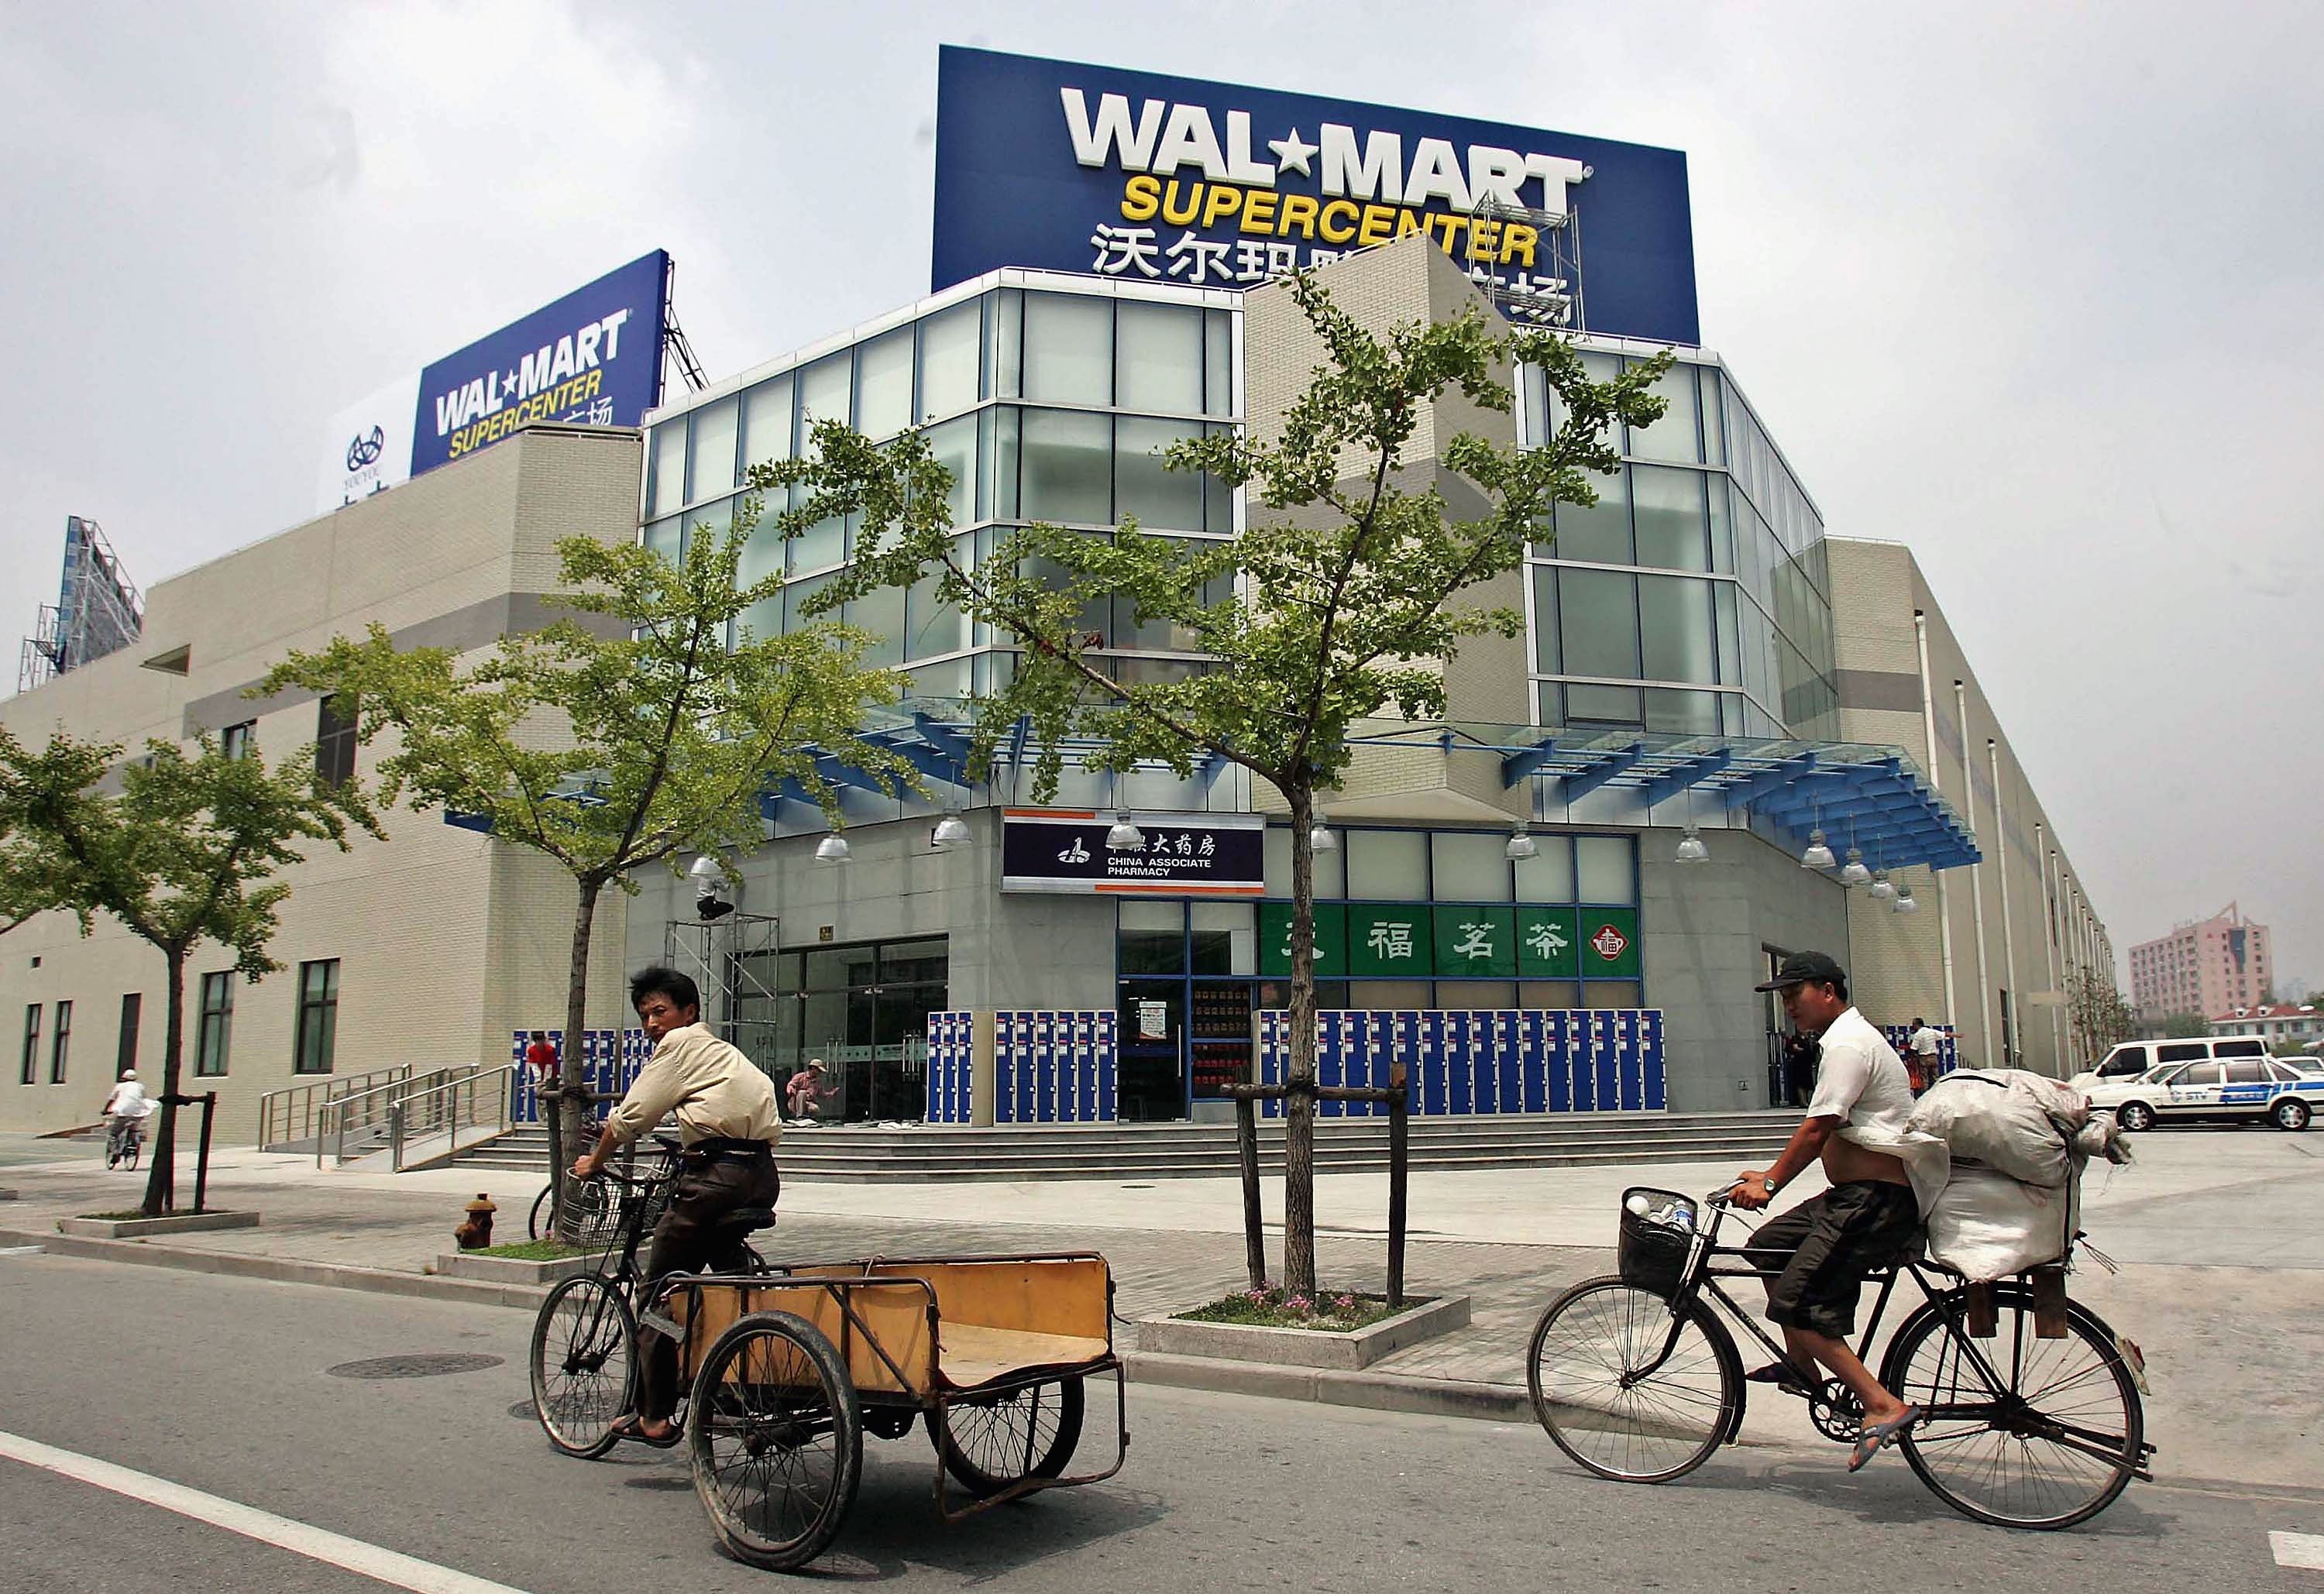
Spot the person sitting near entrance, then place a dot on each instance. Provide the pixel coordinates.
(808, 1086)
(727, 1123)
(1883, 1174)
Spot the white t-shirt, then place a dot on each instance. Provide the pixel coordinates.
(1860, 1079)
(129, 1100)
(1923, 1040)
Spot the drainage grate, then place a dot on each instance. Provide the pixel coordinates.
(524, 1411)
(413, 1366)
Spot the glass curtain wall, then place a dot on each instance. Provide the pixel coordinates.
(864, 1010)
(1694, 596)
(1046, 406)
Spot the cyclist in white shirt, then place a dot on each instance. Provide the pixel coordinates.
(128, 1107)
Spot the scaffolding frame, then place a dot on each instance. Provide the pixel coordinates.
(98, 609)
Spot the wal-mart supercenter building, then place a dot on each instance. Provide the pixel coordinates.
(1555, 900)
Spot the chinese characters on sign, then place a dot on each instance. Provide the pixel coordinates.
(1203, 263)
(1179, 855)
(1487, 941)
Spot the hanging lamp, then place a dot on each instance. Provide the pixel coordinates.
(833, 849)
(1122, 836)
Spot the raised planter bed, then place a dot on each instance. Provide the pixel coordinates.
(143, 1227)
(508, 1269)
(1289, 1346)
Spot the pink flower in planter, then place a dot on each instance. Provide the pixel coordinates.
(1345, 1303)
(1300, 1303)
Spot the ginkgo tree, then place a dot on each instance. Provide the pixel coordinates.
(1335, 604)
(181, 846)
(644, 724)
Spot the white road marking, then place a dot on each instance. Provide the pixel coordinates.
(388, 1566)
(21, 1250)
(2305, 1551)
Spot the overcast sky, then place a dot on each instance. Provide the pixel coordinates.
(2033, 289)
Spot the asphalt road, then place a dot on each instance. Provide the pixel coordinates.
(223, 1385)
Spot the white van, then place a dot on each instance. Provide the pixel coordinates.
(2135, 1057)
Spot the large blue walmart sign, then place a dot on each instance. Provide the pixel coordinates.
(593, 357)
(1063, 167)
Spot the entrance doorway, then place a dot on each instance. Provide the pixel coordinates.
(864, 1010)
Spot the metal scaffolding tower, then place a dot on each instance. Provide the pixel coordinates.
(733, 960)
(98, 609)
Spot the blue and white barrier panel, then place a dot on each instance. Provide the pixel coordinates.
(1055, 1067)
(1469, 1064)
(610, 1062)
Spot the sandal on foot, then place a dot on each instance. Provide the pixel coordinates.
(1877, 1435)
(1784, 1376)
(633, 1429)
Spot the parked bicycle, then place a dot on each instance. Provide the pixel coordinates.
(584, 1341)
(1636, 1378)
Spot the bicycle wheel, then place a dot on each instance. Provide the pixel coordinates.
(129, 1153)
(541, 1205)
(990, 1442)
(2037, 1433)
(1627, 1387)
(585, 1360)
(777, 1439)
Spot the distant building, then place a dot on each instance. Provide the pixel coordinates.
(2214, 966)
(2285, 1027)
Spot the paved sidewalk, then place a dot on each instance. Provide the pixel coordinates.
(2220, 1306)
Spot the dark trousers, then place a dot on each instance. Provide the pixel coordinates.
(689, 1240)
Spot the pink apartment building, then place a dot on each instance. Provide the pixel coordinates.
(2213, 966)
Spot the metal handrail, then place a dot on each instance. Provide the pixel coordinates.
(292, 1113)
(463, 1100)
(368, 1107)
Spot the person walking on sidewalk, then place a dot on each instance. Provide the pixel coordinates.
(1921, 1054)
(1883, 1175)
(728, 1122)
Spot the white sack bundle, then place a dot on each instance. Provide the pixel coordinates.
(1987, 1225)
(2016, 1123)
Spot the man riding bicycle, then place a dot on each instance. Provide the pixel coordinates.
(728, 1123)
(1883, 1175)
(126, 1107)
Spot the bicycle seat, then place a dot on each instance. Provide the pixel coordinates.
(748, 1220)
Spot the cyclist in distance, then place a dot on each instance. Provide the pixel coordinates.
(728, 1121)
(126, 1107)
(1883, 1175)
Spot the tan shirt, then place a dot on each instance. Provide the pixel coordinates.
(716, 1091)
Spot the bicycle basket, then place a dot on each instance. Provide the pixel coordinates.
(1652, 1253)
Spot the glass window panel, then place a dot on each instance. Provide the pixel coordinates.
(823, 390)
(1160, 498)
(953, 444)
(710, 520)
(1678, 640)
(762, 557)
(1226, 937)
(930, 626)
(712, 460)
(1157, 357)
(1001, 476)
(1096, 612)
(1603, 870)
(1673, 437)
(1387, 865)
(1068, 462)
(1499, 995)
(1152, 938)
(668, 467)
(1722, 533)
(1068, 349)
(767, 422)
(880, 613)
(1603, 706)
(1548, 875)
(1714, 417)
(822, 544)
(1548, 993)
(1601, 533)
(1612, 993)
(1218, 363)
(883, 385)
(1330, 876)
(1670, 518)
(1470, 867)
(1684, 713)
(1730, 648)
(951, 343)
(948, 681)
(796, 594)
(1391, 996)
(1549, 704)
(668, 539)
(1544, 619)
(1598, 622)
(1003, 354)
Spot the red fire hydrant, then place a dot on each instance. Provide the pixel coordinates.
(476, 1234)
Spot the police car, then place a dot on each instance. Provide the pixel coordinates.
(2228, 1088)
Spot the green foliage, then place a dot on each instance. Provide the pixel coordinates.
(183, 851)
(627, 732)
(2185, 1026)
(2098, 1011)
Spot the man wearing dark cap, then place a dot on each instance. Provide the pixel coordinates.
(1883, 1174)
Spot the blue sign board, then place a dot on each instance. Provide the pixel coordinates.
(593, 357)
(1059, 166)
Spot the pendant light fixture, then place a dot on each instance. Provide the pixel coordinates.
(1122, 836)
(1854, 873)
(1882, 891)
(1690, 849)
(833, 849)
(952, 831)
(1521, 844)
(1321, 837)
(1818, 855)
(1905, 903)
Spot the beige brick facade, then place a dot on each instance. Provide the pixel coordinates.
(446, 940)
(2051, 929)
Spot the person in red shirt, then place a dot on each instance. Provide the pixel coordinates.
(542, 1058)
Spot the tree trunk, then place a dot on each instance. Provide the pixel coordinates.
(1299, 1109)
(573, 1086)
(161, 1185)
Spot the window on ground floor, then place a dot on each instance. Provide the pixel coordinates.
(318, 1016)
(215, 1034)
